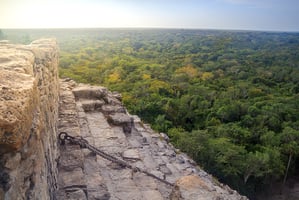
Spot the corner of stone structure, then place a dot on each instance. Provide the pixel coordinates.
(29, 90)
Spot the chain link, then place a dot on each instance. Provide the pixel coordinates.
(63, 136)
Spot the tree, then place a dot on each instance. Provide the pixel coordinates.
(256, 165)
(290, 146)
(225, 160)
(162, 124)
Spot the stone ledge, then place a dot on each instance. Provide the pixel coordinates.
(28, 120)
(17, 100)
(19, 97)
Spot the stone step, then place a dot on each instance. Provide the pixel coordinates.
(106, 133)
(97, 115)
(120, 182)
(71, 182)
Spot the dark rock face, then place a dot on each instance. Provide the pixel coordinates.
(107, 126)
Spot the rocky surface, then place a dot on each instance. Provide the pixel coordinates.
(28, 113)
(98, 116)
(34, 164)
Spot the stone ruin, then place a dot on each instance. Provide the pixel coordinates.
(35, 106)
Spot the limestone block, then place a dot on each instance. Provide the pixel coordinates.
(17, 100)
(152, 194)
(91, 105)
(28, 116)
(131, 154)
(119, 119)
(18, 59)
(111, 100)
(90, 92)
(75, 194)
(110, 109)
(70, 178)
(71, 160)
(192, 188)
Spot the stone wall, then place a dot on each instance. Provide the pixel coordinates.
(28, 116)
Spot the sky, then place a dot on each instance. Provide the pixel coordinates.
(266, 15)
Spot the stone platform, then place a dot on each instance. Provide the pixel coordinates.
(98, 116)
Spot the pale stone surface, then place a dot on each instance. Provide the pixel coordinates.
(119, 119)
(111, 109)
(193, 187)
(90, 92)
(152, 194)
(91, 105)
(131, 154)
(28, 115)
(16, 58)
(71, 178)
(17, 100)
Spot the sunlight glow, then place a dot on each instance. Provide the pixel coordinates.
(49, 15)
(215, 14)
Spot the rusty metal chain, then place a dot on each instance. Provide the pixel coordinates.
(63, 136)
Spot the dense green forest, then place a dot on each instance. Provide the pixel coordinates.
(227, 98)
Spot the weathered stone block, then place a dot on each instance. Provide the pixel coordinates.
(119, 119)
(28, 116)
(111, 109)
(90, 92)
(17, 100)
(91, 105)
(122, 119)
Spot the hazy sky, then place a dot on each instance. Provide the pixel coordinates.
(277, 15)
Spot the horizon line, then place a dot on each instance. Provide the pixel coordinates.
(165, 28)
